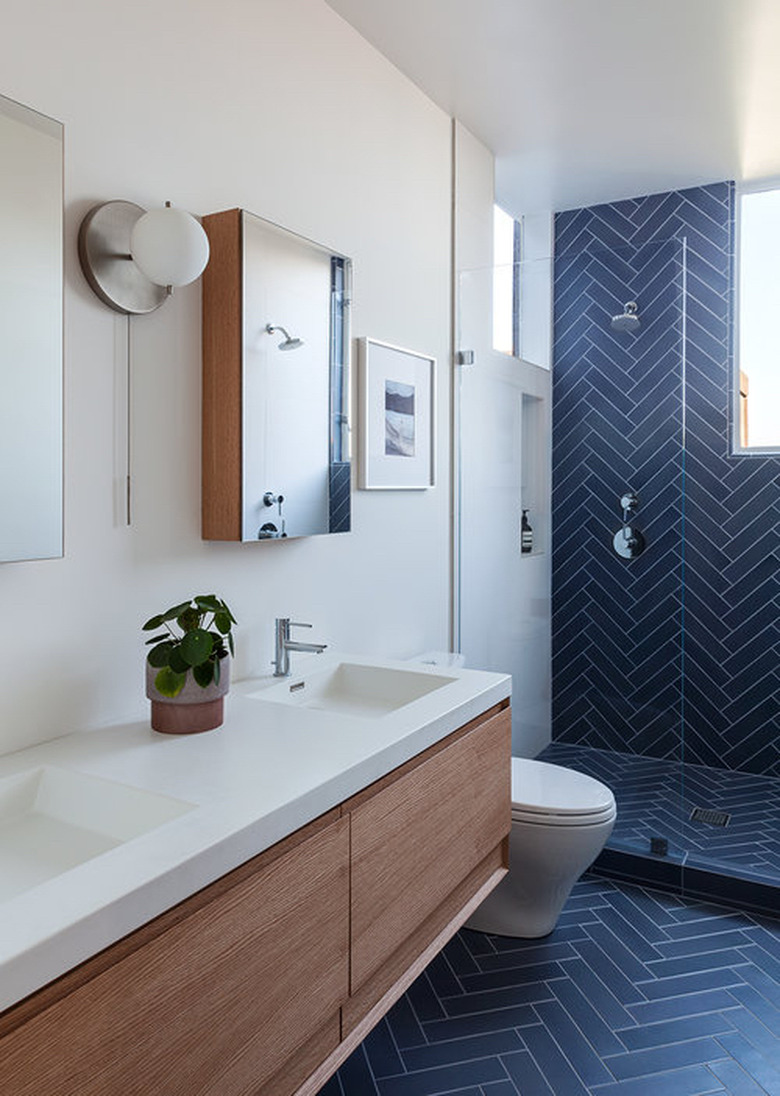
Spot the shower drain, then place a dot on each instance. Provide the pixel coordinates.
(710, 818)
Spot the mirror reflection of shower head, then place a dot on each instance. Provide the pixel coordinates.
(288, 342)
(628, 320)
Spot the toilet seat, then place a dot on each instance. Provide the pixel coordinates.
(551, 795)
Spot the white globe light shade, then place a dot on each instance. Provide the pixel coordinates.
(169, 246)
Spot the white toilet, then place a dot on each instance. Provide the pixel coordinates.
(561, 820)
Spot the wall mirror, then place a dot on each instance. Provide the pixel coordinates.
(30, 334)
(276, 341)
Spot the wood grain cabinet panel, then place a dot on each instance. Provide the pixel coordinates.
(222, 439)
(214, 1005)
(244, 989)
(417, 839)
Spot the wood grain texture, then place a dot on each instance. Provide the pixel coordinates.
(396, 774)
(222, 378)
(215, 1005)
(417, 839)
(362, 1013)
(44, 998)
(456, 908)
(304, 1063)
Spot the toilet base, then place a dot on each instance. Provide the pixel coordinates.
(497, 921)
(544, 864)
(518, 915)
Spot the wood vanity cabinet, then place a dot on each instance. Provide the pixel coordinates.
(265, 981)
(214, 997)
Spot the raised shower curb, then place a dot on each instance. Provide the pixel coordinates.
(674, 877)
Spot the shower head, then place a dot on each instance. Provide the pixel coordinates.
(288, 342)
(628, 319)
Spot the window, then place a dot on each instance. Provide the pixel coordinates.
(506, 282)
(757, 381)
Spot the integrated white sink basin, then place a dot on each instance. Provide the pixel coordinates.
(53, 819)
(354, 688)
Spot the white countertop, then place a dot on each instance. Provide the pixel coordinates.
(269, 770)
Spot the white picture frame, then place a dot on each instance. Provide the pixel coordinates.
(397, 402)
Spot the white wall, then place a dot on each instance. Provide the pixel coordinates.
(503, 424)
(281, 108)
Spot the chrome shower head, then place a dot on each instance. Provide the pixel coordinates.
(288, 342)
(628, 320)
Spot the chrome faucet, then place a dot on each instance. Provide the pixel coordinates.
(284, 645)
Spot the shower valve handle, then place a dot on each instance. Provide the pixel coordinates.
(628, 542)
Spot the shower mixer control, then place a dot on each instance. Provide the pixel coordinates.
(628, 542)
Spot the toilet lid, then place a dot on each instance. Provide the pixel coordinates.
(539, 788)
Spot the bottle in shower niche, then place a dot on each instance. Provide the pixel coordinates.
(526, 534)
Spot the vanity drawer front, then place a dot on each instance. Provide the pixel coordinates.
(214, 1005)
(415, 840)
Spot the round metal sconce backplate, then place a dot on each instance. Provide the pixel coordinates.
(104, 251)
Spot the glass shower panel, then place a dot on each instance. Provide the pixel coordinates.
(502, 549)
(618, 525)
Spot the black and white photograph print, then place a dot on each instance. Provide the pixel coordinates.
(396, 438)
(399, 419)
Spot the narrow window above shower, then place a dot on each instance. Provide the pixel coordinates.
(522, 286)
(756, 380)
(507, 253)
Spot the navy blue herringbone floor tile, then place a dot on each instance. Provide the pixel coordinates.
(635, 993)
(655, 798)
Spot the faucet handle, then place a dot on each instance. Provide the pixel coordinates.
(297, 624)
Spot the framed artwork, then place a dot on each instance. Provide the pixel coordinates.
(397, 417)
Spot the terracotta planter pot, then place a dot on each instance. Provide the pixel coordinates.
(194, 709)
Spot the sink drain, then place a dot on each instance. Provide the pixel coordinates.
(710, 818)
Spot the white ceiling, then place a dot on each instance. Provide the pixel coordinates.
(584, 101)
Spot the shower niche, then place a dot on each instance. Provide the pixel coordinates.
(276, 342)
(534, 480)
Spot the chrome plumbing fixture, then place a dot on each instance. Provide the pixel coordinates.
(268, 530)
(288, 342)
(628, 542)
(284, 645)
(628, 320)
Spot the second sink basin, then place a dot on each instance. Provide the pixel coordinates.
(52, 819)
(355, 689)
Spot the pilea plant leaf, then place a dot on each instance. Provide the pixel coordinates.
(205, 673)
(222, 622)
(189, 619)
(169, 683)
(159, 656)
(153, 622)
(208, 603)
(196, 646)
(157, 639)
(176, 661)
(175, 611)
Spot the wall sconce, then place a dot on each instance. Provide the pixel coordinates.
(132, 258)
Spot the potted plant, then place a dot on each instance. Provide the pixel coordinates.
(188, 666)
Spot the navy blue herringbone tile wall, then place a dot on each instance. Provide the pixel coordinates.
(672, 655)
